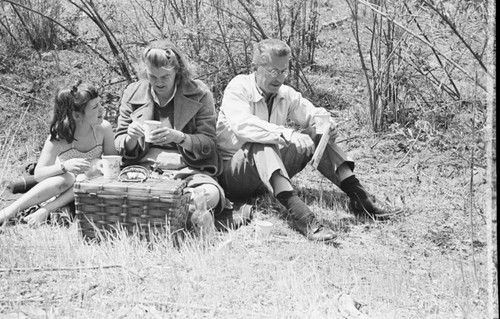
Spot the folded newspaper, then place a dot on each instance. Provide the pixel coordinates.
(320, 149)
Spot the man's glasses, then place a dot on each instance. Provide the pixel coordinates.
(275, 73)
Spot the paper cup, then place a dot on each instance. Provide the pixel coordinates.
(263, 229)
(150, 126)
(322, 123)
(109, 165)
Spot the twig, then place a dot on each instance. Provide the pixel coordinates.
(58, 269)
(471, 219)
(354, 12)
(26, 29)
(423, 41)
(375, 144)
(116, 48)
(444, 17)
(8, 145)
(409, 150)
(28, 96)
(18, 301)
(334, 23)
(252, 16)
(62, 26)
(115, 82)
(365, 135)
(360, 136)
(286, 239)
(444, 188)
(227, 48)
(184, 305)
(448, 75)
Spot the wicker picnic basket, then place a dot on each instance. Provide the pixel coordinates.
(142, 207)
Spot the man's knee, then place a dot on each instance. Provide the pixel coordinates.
(293, 160)
(266, 151)
(239, 187)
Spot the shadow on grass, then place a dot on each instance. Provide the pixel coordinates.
(330, 207)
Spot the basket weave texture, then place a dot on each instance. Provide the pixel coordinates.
(156, 205)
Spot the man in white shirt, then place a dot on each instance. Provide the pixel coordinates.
(261, 152)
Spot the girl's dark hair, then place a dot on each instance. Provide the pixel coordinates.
(68, 100)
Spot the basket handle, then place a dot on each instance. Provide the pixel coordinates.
(134, 173)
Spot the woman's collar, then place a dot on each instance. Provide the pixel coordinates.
(157, 100)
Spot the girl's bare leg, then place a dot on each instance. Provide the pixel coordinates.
(41, 192)
(40, 216)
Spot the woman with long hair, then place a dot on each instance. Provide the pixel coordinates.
(184, 109)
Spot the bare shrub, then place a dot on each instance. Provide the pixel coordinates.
(218, 34)
(19, 26)
(419, 57)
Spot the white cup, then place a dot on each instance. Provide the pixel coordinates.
(149, 126)
(263, 229)
(322, 121)
(109, 165)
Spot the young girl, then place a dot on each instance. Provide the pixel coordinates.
(78, 137)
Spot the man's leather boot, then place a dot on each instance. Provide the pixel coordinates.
(361, 202)
(303, 220)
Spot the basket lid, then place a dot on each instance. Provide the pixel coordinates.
(150, 187)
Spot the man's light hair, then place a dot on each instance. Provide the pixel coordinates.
(264, 49)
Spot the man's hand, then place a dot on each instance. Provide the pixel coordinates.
(333, 132)
(303, 142)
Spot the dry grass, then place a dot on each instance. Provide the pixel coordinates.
(419, 266)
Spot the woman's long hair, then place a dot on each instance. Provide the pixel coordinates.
(68, 100)
(163, 53)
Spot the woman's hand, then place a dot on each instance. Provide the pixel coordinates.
(165, 135)
(135, 130)
(77, 165)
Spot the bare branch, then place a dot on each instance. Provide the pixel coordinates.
(257, 24)
(62, 26)
(28, 96)
(59, 268)
(453, 28)
(423, 41)
(457, 92)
